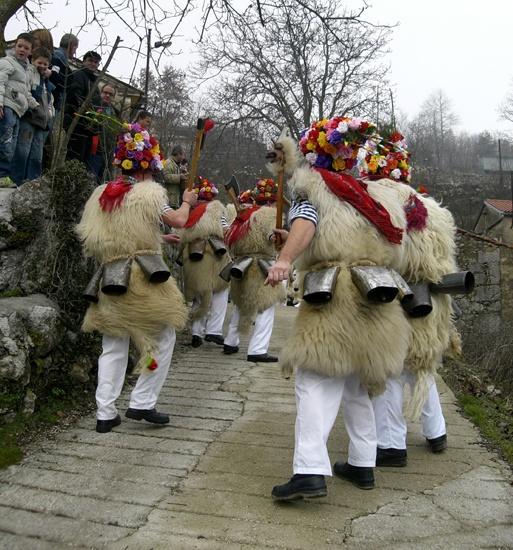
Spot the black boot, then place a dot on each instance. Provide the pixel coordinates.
(230, 350)
(394, 458)
(105, 426)
(196, 341)
(150, 415)
(215, 338)
(438, 444)
(263, 358)
(301, 486)
(360, 476)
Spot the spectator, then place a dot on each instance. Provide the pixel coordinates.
(15, 99)
(102, 144)
(175, 173)
(144, 119)
(82, 81)
(61, 72)
(42, 39)
(35, 123)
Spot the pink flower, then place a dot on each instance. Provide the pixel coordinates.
(354, 123)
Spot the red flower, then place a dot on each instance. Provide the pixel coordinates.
(396, 136)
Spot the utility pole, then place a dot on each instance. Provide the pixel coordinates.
(147, 79)
(500, 162)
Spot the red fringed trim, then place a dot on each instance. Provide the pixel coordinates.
(195, 215)
(240, 226)
(416, 214)
(113, 194)
(95, 143)
(351, 190)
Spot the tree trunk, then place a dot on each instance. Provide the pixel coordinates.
(7, 9)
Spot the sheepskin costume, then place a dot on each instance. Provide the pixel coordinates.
(201, 278)
(131, 228)
(249, 293)
(429, 253)
(348, 334)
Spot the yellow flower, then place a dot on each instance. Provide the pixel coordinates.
(373, 164)
(330, 149)
(321, 140)
(144, 164)
(207, 189)
(339, 164)
(155, 150)
(403, 165)
(322, 123)
(310, 145)
(138, 137)
(127, 164)
(131, 146)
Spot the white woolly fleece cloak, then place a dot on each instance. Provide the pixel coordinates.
(201, 279)
(133, 227)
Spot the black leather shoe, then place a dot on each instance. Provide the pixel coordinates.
(438, 444)
(104, 426)
(216, 338)
(360, 476)
(150, 415)
(229, 350)
(196, 341)
(391, 458)
(263, 358)
(301, 486)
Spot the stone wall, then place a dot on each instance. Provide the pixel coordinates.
(489, 309)
(42, 274)
(463, 193)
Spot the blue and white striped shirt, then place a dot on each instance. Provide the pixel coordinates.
(302, 208)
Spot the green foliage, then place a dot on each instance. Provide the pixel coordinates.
(13, 293)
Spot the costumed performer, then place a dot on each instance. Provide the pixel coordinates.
(252, 248)
(204, 255)
(132, 294)
(430, 253)
(347, 347)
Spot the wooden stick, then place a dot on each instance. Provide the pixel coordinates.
(279, 200)
(200, 130)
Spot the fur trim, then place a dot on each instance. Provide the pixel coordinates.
(141, 313)
(135, 225)
(293, 157)
(208, 225)
(349, 335)
(251, 296)
(231, 212)
(343, 234)
(256, 241)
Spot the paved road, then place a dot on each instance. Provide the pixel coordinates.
(204, 481)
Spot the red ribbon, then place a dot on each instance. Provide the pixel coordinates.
(240, 226)
(195, 214)
(416, 214)
(351, 190)
(113, 194)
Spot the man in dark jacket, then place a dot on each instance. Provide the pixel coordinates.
(82, 81)
(61, 72)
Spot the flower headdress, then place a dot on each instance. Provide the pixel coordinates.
(265, 191)
(388, 158)
(136, 150)
(338, 143)
(205, 189)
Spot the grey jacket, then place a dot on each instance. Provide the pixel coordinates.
(14, 85)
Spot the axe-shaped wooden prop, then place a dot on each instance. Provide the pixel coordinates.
(233, 191)
(202, 127)
(278, 156)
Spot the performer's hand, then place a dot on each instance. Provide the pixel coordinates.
(184, 177)
(279, 236)
(171, 238)
(278, 272)
(190, 197)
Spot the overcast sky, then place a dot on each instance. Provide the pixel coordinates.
(461, 46)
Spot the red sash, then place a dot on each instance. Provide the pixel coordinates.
(113, 194)
(195, 214)
(351, 190)
(240, 226)
(416, 214)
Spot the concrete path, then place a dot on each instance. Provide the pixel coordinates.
(204, 481)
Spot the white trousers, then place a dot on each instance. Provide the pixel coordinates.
(112, 366)
(260, 336)
(318, 401)
(388, 409)
(212, 322)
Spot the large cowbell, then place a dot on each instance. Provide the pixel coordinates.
(93, 288)
(116, 276)
(419, 304)
(320, 285)
(240, 267)
(376, 283)
(153, 267)
(197, 250)
(225, 273)
(462, 282)
(218, 246)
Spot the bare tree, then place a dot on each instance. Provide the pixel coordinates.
(297, 67)
(506, 107)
